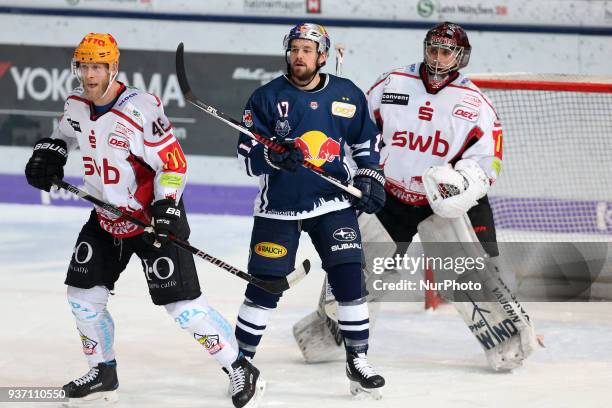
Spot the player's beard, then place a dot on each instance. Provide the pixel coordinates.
(304, 76)
(97, 92)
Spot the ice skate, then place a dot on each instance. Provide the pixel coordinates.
(364, 382)
(96, 388)
(247, 386)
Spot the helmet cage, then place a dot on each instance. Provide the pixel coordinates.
(459, 58)
(448, 36)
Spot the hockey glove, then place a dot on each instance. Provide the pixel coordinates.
(47, 163)
(289, 160)
(372, 185)
(166, 216)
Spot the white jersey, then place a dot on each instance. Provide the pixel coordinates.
(422, 129)
(130, 155)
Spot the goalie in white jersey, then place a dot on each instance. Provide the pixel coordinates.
(131, 160)
(431, 115)
(442, 150)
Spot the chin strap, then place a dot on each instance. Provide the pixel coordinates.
(110, 83)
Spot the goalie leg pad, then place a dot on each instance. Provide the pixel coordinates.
(319, 338)
(494, 316)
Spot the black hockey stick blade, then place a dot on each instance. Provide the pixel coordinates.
(180, 71)
(274, 286)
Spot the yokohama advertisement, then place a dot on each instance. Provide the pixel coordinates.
(34, 82)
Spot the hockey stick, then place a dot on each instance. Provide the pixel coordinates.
(272, 286)
(339, 58)
(194, 100)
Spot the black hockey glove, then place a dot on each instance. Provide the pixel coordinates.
(166, 215)
(289, 160)
(47, 163)
(372, 185)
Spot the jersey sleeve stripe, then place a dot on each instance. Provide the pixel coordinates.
(365, 145)
(161, 142)
(126, 117)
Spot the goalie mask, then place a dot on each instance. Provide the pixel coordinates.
(97, 48)
(446, 49)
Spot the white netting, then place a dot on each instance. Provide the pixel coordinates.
(556, 179)
(557, 162)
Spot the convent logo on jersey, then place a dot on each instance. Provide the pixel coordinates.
(318, 148)
(270, 250)
(394, 99)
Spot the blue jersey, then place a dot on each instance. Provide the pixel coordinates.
(332, 127)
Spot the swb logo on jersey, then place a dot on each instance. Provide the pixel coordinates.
(394, 99)
(439, 146)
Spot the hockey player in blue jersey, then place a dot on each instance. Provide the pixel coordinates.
(323, 119)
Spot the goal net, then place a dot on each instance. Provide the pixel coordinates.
(556, 178)
(556, 181)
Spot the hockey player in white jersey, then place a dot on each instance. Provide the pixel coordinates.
(131, 160)
(442, 150)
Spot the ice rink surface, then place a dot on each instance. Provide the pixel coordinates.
(429, 359)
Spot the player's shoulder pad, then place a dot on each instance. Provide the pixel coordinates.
(412, 69)
(272, 86)
(466, 82)
(76, 98)
(139, 105)
(268, 91)
(343, 83)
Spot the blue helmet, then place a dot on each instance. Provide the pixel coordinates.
(309, 31)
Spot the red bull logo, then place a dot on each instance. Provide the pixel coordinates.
(318, 148)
